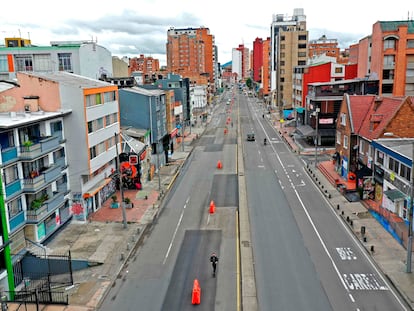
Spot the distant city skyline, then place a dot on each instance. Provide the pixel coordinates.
(127, 29)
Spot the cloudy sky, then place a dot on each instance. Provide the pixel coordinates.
(130, 28)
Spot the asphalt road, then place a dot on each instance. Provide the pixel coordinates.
(160, 275)
(305, 258)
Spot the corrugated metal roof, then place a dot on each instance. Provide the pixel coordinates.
(70, 79)
(393, 25)
(4, 86)
(395, 195)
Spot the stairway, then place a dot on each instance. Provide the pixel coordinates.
(327, 170)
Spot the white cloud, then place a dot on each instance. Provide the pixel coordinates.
(131, 28)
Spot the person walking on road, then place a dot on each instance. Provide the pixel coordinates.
(214, 260)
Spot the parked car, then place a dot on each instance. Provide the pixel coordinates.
(251, 137)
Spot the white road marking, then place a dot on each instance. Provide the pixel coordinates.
(345, 253)
(363, 281)
(175, 233)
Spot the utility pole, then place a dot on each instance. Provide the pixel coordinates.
(121, 190)
(183, 131)
(410, 215)
(316, 137)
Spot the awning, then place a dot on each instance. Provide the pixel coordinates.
(92, 191)
(395, 195)
(300, 109)
(306, 130)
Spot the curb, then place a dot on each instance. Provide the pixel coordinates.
(350, 224)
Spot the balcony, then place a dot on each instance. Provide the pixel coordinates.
(52, 173)
(13, 187)
(42, 208)
(17, 221)
(36, 180)
(32, 184)
(8, 155)
(30, 150)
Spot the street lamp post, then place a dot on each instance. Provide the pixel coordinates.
(183, 133)
(410, 216)
(316, 137)
(121, 189)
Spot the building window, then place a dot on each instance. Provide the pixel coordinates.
(405, 172)
(389, 60)
(111, 119)
(410, 44)
(24, 63)
(380, 157)
(65, 62)
(343, 119)
(345, 142)
(93, 99)
(389, 43)
(338, 137)
(338, 69)
(4, 65)
(109, 96)
(302, 37)
(95, 125)
(10, 174)
(14, 207)
(42, 62)
(394, 165)
(92, 152)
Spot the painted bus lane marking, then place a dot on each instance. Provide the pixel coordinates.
(363, 281)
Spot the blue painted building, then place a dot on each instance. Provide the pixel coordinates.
(143, 108)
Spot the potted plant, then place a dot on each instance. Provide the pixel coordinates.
(128, 203)
(27, 144)
(114, 203)
(36, 204)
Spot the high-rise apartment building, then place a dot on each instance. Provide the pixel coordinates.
(240, 62)
(257, 61)
(323, 45)
(387, 55)
(191, 53)
(266, 68)
(289, 48)
(261, 65)
(147, 65)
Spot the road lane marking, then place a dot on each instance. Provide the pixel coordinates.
(175, 233)
(346, 253)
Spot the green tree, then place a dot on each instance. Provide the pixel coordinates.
(249, 83)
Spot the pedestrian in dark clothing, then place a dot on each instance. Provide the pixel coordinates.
(214, 260)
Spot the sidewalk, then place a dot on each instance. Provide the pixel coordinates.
(104, 241)
(389, 255)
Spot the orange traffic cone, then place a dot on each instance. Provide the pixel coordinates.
(212, 207)
(219, 165)
(196, 297)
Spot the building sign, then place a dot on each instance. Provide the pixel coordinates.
(133, 159)
(326, 121)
